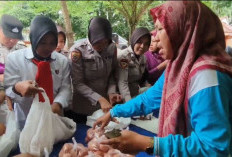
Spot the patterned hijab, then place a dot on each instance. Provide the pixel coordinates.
(198, 42)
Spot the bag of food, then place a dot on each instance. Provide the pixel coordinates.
(118, 123)
(43, 128)
(9, 140)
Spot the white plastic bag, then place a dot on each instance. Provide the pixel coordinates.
(9, 140)
(43, 128)
(122, 122)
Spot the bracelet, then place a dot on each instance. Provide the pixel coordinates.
(16, 92)
(150, 149)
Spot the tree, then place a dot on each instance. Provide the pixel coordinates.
(221, 8)
(25, 11)
(124, 16)
(68, 26)
(80, 12)
(132, 11)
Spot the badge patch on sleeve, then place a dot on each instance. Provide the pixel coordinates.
(124, 63)
(75, 56)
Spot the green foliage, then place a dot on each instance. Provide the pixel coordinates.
(221, 8)
(117, 20)
(135, 13)
(26, 11)
(147, 20)
(82, 11)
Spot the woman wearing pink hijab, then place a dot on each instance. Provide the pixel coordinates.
(193, 94)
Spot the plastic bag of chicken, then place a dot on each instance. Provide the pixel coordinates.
(73, 150)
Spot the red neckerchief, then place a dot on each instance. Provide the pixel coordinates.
(44, 79)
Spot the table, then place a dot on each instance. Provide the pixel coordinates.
(80, 135)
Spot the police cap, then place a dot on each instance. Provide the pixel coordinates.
(11, 27)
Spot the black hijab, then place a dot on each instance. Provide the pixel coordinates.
(99, 28)
(137, 34)
(40, 26)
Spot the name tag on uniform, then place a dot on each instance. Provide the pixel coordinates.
(88, 60)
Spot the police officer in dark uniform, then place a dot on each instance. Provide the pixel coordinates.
(132, 64)
(93, 65)
(10, 34)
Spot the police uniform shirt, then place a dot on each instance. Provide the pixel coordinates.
(4, 51)
(130, 71)
(92, 76)
(64, 52)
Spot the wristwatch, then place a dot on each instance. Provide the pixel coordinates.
(150, 149)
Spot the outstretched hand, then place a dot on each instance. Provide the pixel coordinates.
(105, 105)
(103, 120)
(129, 142)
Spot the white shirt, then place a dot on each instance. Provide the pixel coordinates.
(19, 67)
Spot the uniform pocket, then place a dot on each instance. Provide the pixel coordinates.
(133, 73)
(90, 66)
(90, 70)
(108, 63)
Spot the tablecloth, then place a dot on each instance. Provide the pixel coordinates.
(80, 135)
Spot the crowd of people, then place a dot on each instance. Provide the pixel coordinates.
(181, 68)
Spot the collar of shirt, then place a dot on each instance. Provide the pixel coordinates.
(10, 50)
(29, 55)
(133, 58)
(94, 52)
